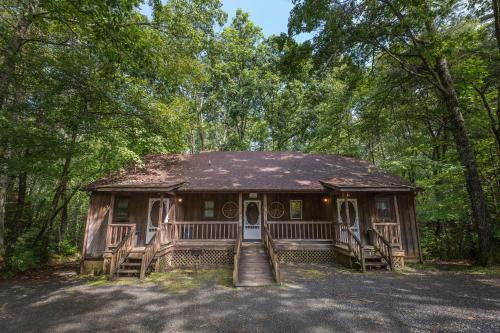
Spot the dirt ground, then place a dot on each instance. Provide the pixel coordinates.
(314, 298)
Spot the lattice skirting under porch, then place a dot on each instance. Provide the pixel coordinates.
(306, 256)
(185, 258)
(399, 262)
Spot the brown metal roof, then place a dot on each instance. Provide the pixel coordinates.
(254, 171)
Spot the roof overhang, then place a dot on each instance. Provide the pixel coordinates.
(250, 190)
(138, 188)
(340, 188)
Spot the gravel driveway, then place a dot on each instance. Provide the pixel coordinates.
(314, 299)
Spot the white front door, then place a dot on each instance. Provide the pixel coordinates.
(153, 215)
(353, 222)
(251, 219)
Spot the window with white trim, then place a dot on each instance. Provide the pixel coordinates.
(208, 209)
(121, 208)
(384, 209)
(296, 209)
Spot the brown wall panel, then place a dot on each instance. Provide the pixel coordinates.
(96, 230)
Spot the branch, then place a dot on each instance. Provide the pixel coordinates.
(486, 105)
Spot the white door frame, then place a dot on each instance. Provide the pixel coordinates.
(355, 226)
(150, 228)
(252, 231)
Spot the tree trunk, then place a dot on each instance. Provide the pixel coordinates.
(15, 227)
(4, 182)
(496, 14)
(64, 217)
(46, 229)
(21, 199)
(465, 151)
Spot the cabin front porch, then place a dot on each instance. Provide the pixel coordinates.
(190, 229)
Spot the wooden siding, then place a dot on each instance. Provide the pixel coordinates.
(138, 213)
(313, 207)
(97, 225)
(409, 230)
(191, 209)
(367, 215)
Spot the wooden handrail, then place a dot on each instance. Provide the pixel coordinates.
(383, 246)
(390, 231)
(116, 232)
(301, 230)
(121, 252)
(273, 254)
(205, 230)
(299, 222)
(161, 237)
(356, 248)
(237, 252)
(207, 222)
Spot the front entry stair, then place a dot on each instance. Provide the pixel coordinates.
(373, 259)
(254, 268)
(131, 266)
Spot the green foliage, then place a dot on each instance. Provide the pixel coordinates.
(25, 256)
(66, 248)
(96, 85)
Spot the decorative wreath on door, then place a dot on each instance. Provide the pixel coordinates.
(276, 210)
(230, 210)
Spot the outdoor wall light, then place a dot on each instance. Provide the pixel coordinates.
(179, 200)
(326, 199)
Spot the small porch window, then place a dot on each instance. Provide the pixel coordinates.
(384, 209)
(208, 209)
(296, 209)
(121, 209)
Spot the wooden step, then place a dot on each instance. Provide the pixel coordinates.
(254, 267)
(128, 271)
(247, 271)
(376, 264)
(135, 255)
(132, 264)
(373, 257)
(254, 261)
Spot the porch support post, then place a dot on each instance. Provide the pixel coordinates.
(240, 209)
(265, 210)
(420, 256)
(160, 213)
(347, 217)
(396, 208)
(110, 219)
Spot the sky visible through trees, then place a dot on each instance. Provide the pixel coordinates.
(88, 87)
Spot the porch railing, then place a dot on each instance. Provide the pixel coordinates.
(345, 236)
(272, 253)
(356, 248)
(237, 252)
(205, 230)
(383, 246)
(301, 230)
(121, 251)
(116, 232)
(161, 237)
(390, 231)
(341, 234)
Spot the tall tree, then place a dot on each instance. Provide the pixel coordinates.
(415, 37)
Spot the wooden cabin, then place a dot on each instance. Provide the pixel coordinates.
(251, 210)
